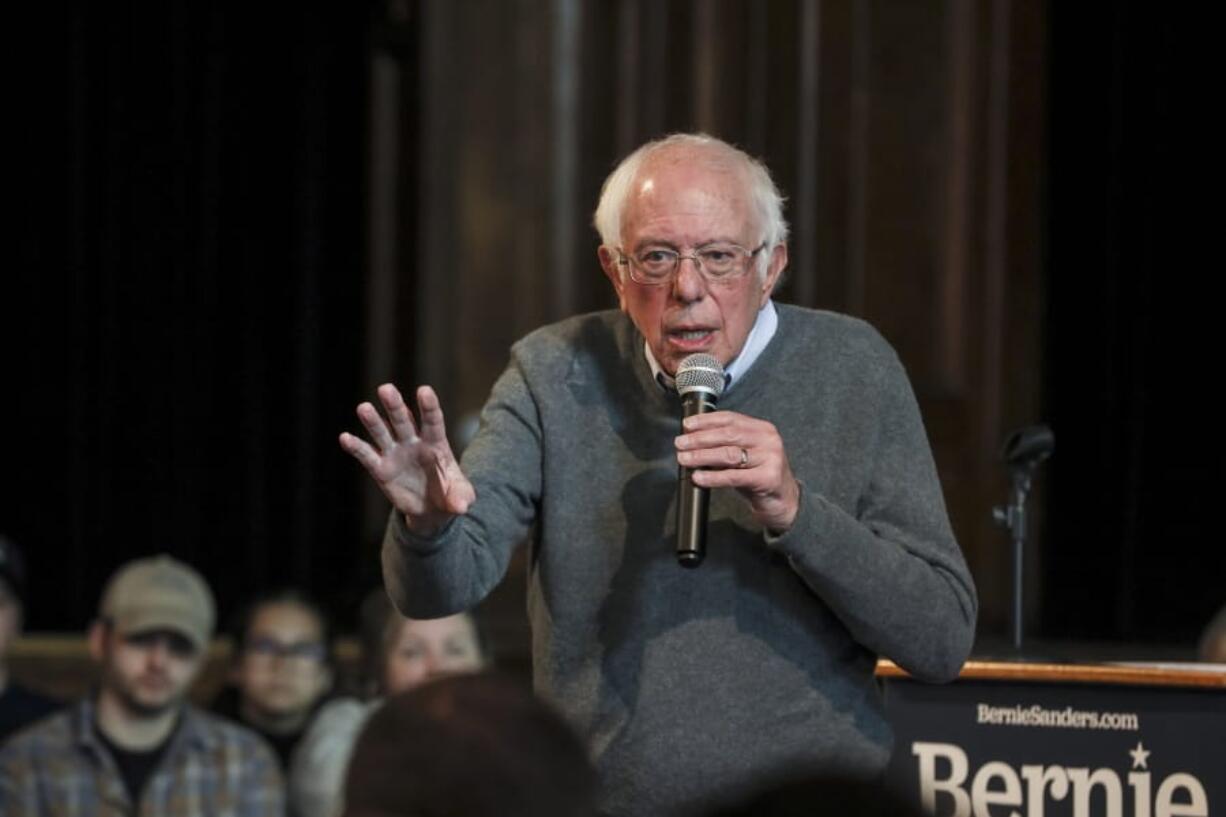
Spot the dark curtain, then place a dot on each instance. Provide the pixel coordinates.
(184, 318)
(1131, 358)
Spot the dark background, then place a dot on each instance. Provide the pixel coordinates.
(200, 289)
(183, 329)
(1130, 353)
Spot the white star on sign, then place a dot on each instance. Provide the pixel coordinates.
(1140, 756)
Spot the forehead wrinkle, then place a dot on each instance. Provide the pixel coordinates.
(690, 217)
(679, 186)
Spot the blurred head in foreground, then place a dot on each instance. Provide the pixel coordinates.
(469, 746)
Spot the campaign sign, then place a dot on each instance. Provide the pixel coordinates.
(1004, 748)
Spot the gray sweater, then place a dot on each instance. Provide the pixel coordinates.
(693, 684)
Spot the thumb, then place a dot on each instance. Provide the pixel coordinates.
(460, 495)
(457, 491)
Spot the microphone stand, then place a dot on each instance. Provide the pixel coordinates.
(1022, 452)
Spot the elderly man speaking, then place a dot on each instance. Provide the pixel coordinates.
(828, 542)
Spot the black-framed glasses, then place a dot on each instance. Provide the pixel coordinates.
(270, 648)
(716, 262)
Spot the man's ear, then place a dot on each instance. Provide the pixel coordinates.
(99, 631)
(613, 270)
(778, 262)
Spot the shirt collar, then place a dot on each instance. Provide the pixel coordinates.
(760, 334)
(190, 727)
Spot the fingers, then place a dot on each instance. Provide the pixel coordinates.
(398, 413)
(752, 480)
(375, 426)
(417, 472)
(717, 438)
(764, 472)
(724, 456)
(433, 429)
(727, 449)
(360, 450)
(714, 419)
(725, 433)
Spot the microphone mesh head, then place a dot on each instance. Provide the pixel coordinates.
(700, 373)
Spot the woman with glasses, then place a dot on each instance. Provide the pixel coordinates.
(282, 668)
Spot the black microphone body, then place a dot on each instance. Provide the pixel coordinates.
(700, 381)
(691, 499)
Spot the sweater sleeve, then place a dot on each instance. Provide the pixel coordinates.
(454, 570)
(891, 570)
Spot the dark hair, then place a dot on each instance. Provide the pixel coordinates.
(241, 624)
(479, 745)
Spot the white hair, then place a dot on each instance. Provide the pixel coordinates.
(764, 196)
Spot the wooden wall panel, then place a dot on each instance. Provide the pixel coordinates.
(905, 136)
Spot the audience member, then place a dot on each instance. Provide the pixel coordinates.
(282, 668)
(19, 706)
(135, 746)
(400, 654)
(469, 746)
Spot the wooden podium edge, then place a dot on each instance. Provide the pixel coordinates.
(1211, 676)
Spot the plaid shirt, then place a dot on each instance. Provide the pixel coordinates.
(59, 768)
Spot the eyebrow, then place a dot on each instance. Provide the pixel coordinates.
(660, 242)
(175, 642)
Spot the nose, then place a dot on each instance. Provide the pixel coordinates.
(159, 653)
(434, 665)
(688, 283)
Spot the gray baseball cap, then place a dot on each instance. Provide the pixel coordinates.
(160, 593)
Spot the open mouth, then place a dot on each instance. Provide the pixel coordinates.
(690, 338)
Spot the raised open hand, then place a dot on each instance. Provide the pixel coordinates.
(414, 467)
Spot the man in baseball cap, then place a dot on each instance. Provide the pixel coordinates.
(160, 594)
(154, 625)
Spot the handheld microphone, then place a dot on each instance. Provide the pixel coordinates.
(700, 382)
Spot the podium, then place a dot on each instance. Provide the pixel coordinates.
(1049, 740)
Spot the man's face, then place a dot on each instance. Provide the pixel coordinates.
(148, 673)
(425, 649)
(681, 206)
(283, 670)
